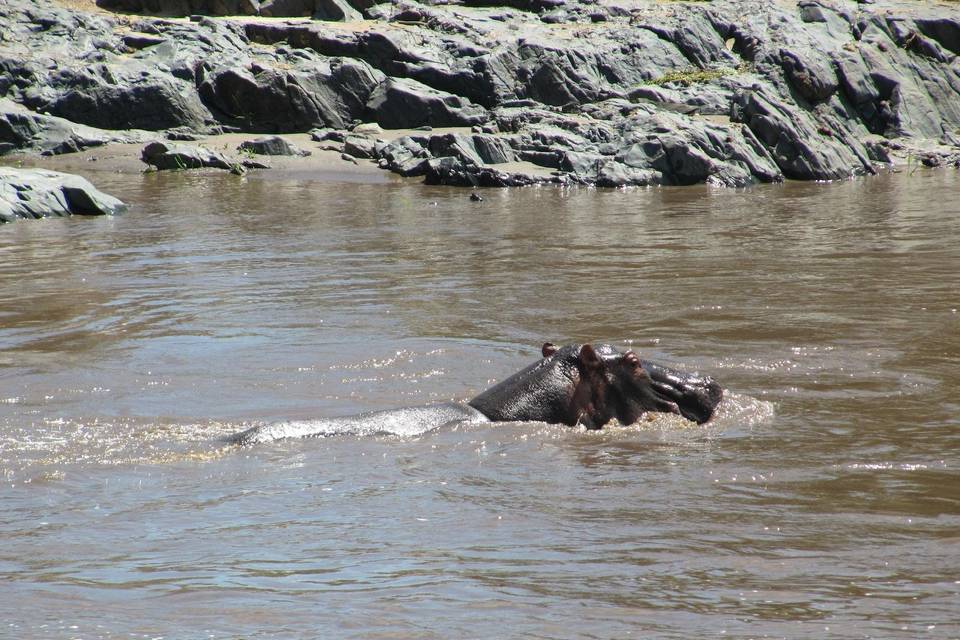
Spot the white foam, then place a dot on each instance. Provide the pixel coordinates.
(737, 410)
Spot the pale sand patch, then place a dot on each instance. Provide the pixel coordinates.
(125, 158)
(89, 6)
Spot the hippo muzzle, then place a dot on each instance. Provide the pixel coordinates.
(696, 397)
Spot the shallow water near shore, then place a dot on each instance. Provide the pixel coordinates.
(823, 501)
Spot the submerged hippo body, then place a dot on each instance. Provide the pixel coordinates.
(574, 385)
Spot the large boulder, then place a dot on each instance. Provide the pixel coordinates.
(323, 93)
(400, 103)
(127, 97)
(39, 193)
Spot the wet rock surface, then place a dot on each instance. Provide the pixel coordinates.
(596, 92)
(271, 146)
(38, 193)
(163, 155)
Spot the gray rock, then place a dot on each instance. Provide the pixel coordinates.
(183, 135)
(451, 171)
(180, 156)
(493, 149)
(617, 174)
(808, 73)
(407, 156)
(800, 148)
(585, 166)
(330, 93)
(554, 17)
(271, 146)
(455, 145)
(249, 163)
(549, 159)
(132, 97)
(318, 9)
(401, 103)
(321, 135)
(142, 40)
(39, 193)
(945, 29)
(359, 147)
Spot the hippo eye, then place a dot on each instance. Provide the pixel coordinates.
(631, 359)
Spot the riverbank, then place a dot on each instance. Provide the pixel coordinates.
(605, 93)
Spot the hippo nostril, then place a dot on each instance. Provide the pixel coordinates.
(586, 421)
(674, 408)
(668, 390)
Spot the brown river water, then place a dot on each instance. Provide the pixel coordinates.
(823, 500)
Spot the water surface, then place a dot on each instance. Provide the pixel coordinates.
(824, 501)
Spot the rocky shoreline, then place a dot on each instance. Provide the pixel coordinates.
(493, 92)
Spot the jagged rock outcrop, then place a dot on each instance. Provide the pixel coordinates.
(729, 92)
(38, 193)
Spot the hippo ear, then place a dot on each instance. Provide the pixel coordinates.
(630, 358)
(589, 357)
(548, 349)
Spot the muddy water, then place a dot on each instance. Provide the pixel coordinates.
(824, 501)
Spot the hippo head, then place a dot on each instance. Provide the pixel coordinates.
(637, 386)
(587, 385)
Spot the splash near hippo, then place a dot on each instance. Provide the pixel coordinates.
(576, 385)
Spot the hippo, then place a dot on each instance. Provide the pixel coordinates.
(577, 385)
